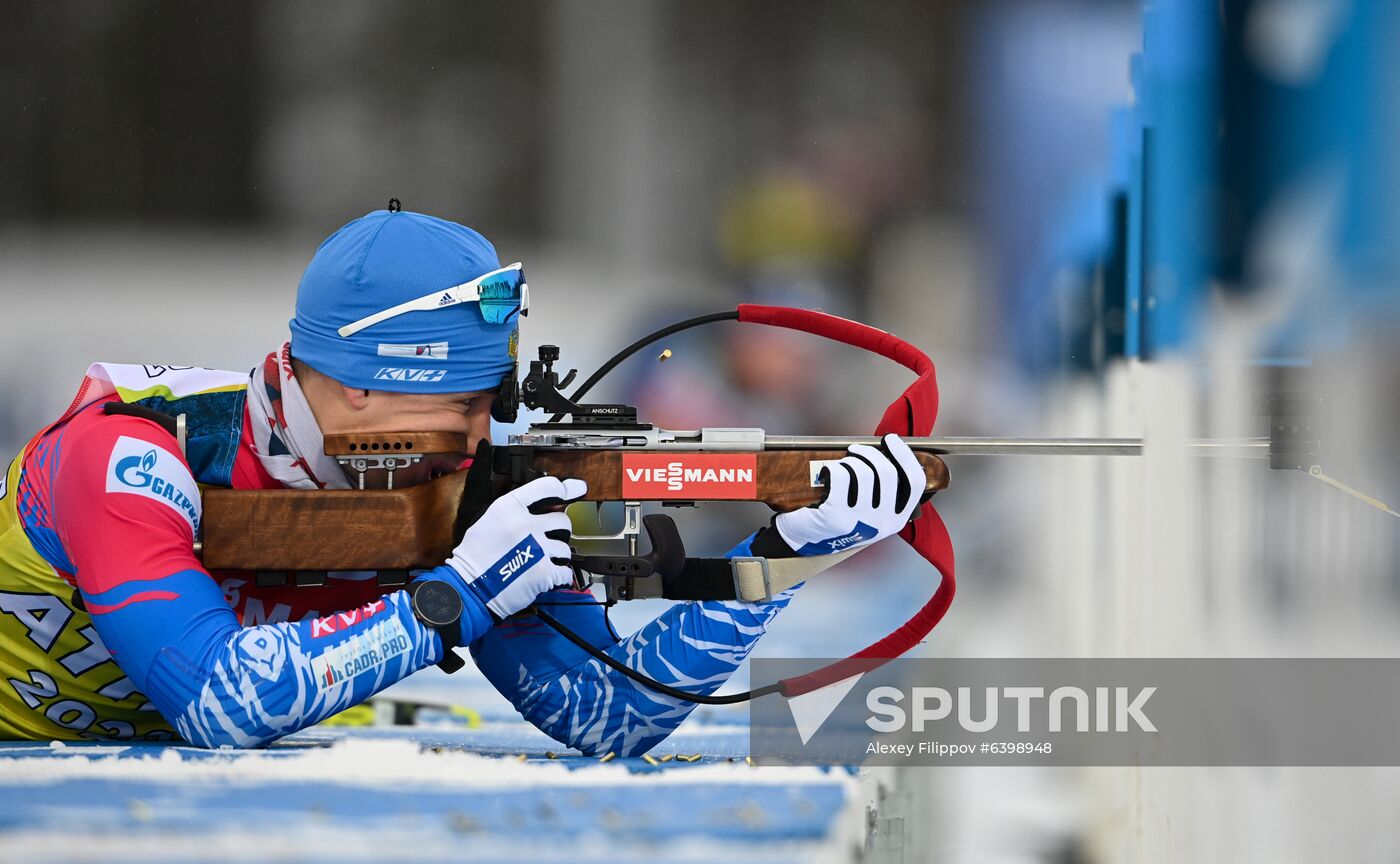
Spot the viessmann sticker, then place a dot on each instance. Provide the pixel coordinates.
(707, 476)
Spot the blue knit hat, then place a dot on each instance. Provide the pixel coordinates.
(379, 261)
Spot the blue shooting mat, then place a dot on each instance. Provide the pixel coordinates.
(428, 792)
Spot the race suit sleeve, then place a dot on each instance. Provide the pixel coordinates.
(128, 510)
(579, 701)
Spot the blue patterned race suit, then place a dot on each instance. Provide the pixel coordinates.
(583, 703)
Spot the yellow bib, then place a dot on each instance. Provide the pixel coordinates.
(59, 682)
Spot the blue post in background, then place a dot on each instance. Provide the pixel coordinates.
(1178, 107)
(1310, 141)
(1257, 164)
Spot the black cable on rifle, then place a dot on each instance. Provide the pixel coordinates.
(648, 681)
(590, 648)
(639, 345)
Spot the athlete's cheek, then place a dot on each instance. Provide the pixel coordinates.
(479, 430)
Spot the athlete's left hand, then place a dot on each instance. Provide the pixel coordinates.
(870, 495)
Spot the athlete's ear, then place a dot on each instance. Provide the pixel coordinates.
(356, 397)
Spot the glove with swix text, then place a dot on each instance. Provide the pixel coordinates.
(871, 494)
(517, 550)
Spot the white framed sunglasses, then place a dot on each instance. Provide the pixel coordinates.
(498, 295)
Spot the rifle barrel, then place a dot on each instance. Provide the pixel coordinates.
(1248, 448)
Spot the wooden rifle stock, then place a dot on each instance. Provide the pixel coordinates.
(411, 528)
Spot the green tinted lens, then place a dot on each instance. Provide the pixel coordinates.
(500, 297)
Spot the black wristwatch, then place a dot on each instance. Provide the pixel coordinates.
(439, 606)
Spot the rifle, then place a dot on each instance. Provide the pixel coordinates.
(296, 536)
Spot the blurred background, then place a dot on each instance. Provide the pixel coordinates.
(1098, 218)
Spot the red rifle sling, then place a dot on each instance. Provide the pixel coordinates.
(912, 414)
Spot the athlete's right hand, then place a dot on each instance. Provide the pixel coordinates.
(518, 548)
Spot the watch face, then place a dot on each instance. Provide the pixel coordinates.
(437, 604)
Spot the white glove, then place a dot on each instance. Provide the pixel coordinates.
(871, 493)
(510, 556)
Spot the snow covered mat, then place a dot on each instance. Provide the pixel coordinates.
(496, 792)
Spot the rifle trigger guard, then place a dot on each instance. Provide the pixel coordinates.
(631, 525)
(619, 573)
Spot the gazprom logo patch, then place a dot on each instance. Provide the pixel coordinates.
(525, 553)
(138, 467)
(391, 373)
(136, 472)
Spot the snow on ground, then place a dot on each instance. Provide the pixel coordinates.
(424, 793)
